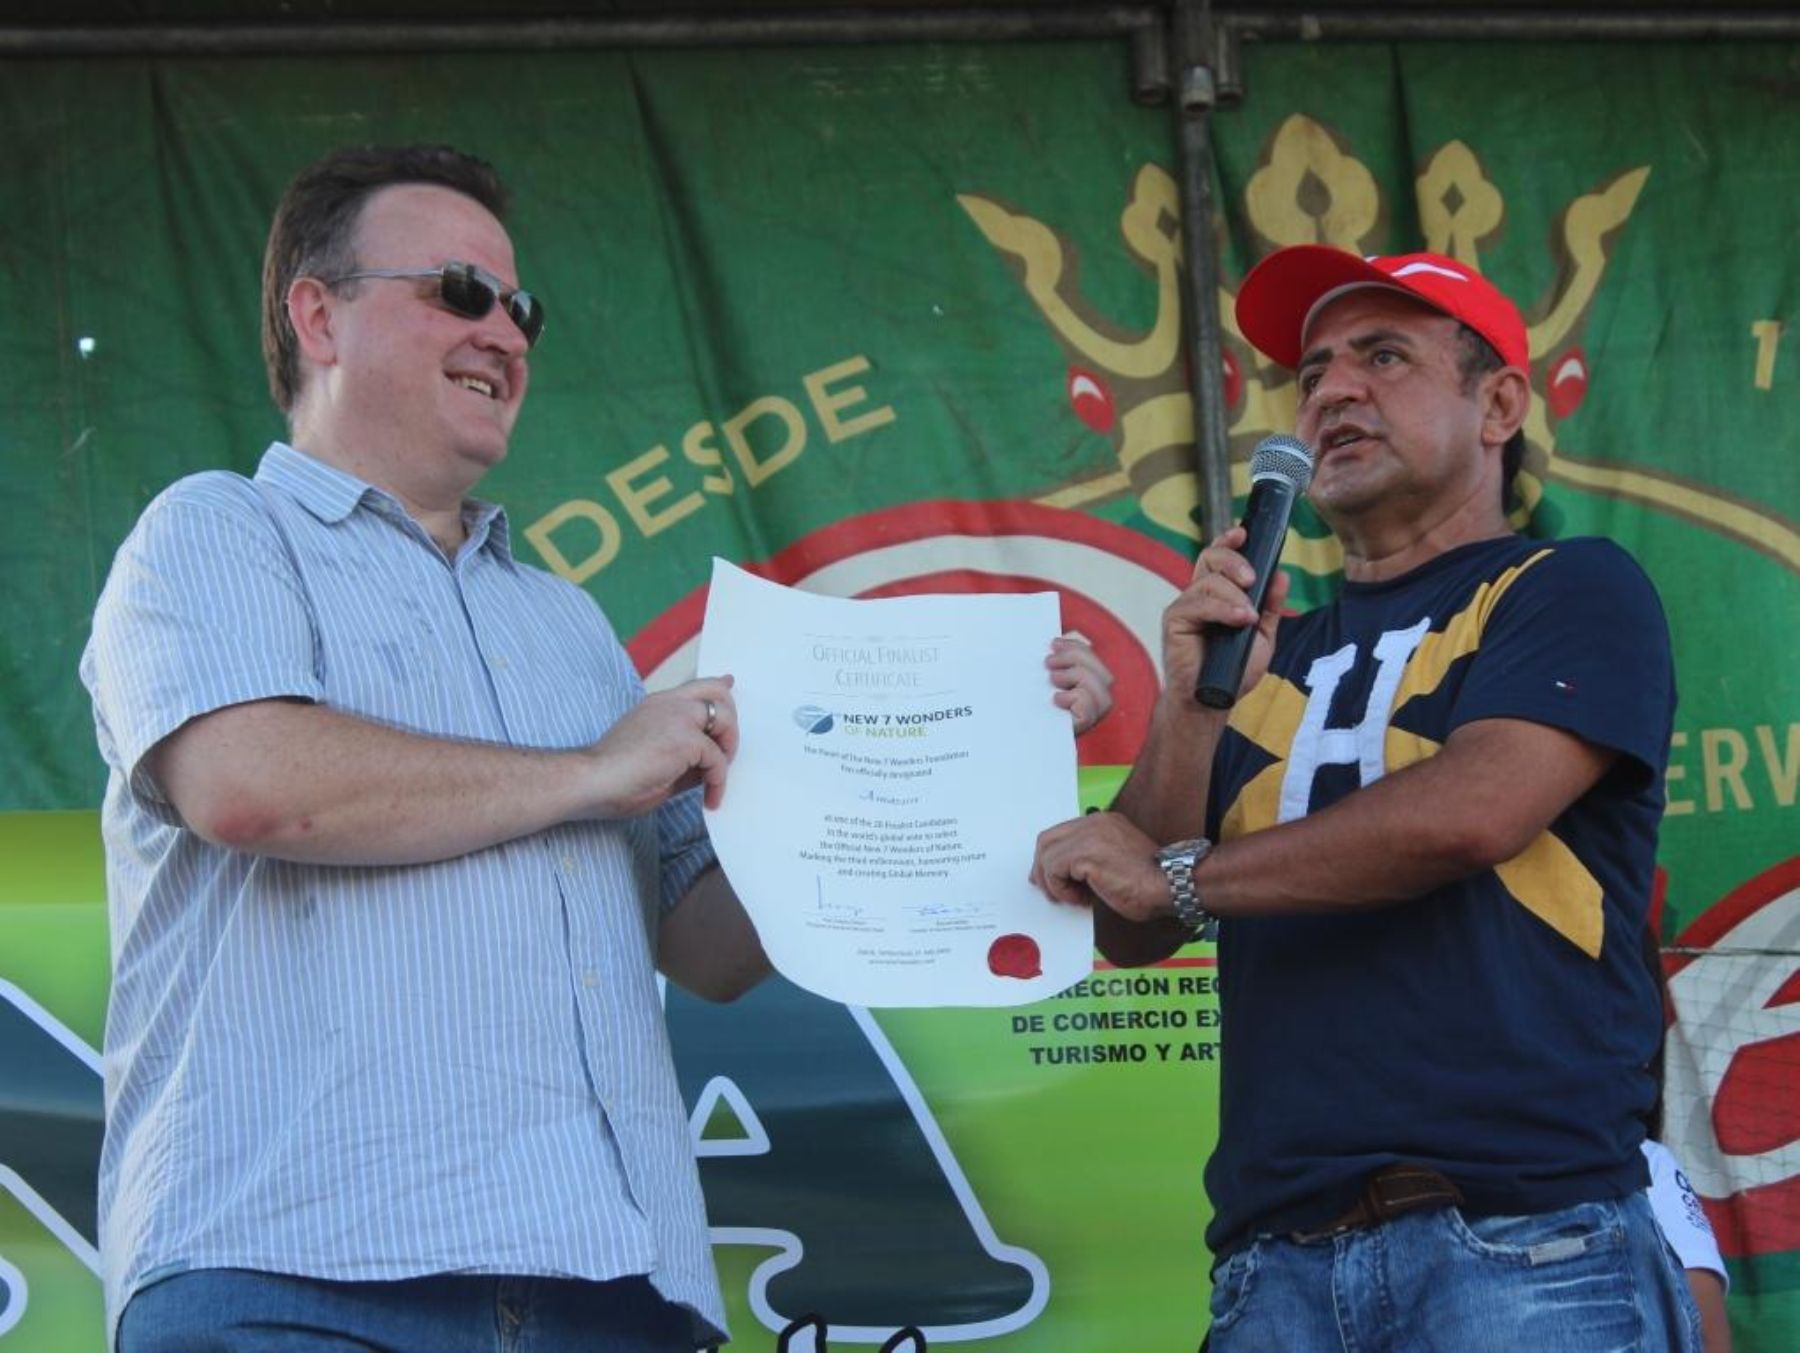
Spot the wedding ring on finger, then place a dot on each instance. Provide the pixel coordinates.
(712, 717)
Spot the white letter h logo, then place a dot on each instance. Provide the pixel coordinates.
(1363, 745)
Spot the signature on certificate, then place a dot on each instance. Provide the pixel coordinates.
(876, 796)
(939, 910)
(830, 906)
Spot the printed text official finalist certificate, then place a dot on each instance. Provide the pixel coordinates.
(898, 758)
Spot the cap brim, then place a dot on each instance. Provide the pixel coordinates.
(1278, 294)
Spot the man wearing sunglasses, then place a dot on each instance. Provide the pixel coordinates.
(396, 848)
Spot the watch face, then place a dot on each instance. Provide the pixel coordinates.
(1182, 851)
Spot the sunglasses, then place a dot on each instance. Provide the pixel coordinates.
(469, 291)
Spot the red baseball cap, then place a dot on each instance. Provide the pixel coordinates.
(1281, 295)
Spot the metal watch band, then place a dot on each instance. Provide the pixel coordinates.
(1177, 862)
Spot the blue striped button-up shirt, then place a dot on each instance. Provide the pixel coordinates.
(380, 1073)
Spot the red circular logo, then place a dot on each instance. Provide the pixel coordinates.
(1735, 1048)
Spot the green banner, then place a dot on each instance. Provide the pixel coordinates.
(892, 319)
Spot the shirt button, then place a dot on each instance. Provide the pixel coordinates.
(590, 978)
(498, 664)
(568, 863)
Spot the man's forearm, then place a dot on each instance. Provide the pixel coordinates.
(707, 944)
(1165, 798)
(1392, 841)
(1495, 787)
(307, 783)
(1486, 796)
(1165, 794)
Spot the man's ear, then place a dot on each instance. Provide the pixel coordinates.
(1506, 397)
(311, 310)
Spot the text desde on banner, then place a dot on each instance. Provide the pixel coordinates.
(580, 537)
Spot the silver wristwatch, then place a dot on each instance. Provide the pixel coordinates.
(1177, 861)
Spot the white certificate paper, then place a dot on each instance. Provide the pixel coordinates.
(897, 759)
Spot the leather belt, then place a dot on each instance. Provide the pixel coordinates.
(1390, 1192)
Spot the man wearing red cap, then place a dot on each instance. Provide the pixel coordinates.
(1435, 807)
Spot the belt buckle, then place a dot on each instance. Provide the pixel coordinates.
(1375, 1205)
(1413, 1188)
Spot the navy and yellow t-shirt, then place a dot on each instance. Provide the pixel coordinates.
(1498, 1028)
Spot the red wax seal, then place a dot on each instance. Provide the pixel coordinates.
(1015, 956)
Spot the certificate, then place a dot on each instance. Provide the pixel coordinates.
(897, 759)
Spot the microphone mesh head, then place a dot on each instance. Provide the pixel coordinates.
(1282, 457)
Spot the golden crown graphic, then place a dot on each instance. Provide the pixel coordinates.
(1310, 189)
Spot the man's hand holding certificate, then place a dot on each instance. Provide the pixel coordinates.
(897, 759)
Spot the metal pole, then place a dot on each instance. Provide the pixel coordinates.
(1197, 96)
(842, 26)
(1375, 24)
(998, 24)
(1150, 80)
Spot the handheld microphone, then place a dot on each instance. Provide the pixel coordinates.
(1280, 469)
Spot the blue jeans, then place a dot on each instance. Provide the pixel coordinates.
(1587, 1279)
(230, 1310)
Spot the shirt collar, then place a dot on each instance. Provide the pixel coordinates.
(489, 519)
(331, 495)
(326, 492)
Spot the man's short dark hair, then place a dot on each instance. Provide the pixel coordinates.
(1476, 359)
(314, 230)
